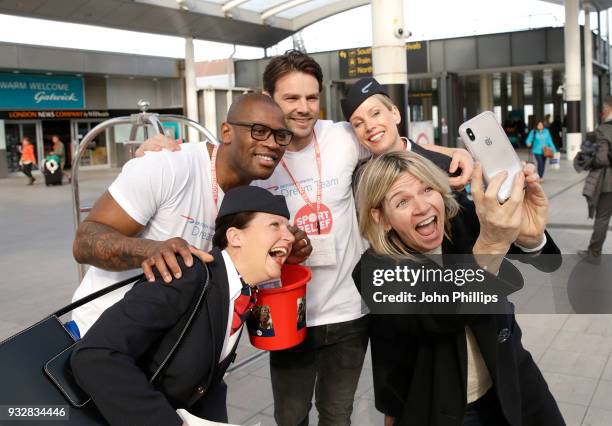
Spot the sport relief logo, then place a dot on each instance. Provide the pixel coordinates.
(199, 228)
(306, 220)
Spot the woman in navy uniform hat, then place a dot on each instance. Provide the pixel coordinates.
(115, 359)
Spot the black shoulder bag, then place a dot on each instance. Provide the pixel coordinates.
(36, 382)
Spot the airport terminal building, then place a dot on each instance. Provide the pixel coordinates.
(518, 75)
(47, 91)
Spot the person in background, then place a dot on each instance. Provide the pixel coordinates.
(59, 150)
(28, 158)
(598, 185)
(539, 140)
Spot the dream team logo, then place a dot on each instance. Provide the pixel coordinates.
(306, 219)
(198, 228)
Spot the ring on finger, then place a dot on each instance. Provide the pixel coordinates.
(305, 242)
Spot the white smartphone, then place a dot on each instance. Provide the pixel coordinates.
(488, 143)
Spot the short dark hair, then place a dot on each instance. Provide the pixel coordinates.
(607, 100)
(222, 224)
(292, 60)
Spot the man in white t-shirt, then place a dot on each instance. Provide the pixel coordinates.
(315, 177)
(165, 204)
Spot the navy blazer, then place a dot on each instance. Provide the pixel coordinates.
(419, 362)
(115, 359)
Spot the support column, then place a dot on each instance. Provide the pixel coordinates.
(3, 153)
(557, 98)
(572, 77)
(389, 53)
(209, 104)
(518, 91)
(444, 110)
(538, 94)
(191, 94)
(503, 97)
(486, 92)
(449, 109)
(588, 67)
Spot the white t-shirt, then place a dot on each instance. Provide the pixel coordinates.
(170, 193)
(331, 294)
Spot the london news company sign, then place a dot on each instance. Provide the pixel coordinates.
(26, 91)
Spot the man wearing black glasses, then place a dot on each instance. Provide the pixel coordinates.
(261, 133)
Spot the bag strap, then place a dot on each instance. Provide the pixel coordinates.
(192, 315)
(96, 294)
(67, 388)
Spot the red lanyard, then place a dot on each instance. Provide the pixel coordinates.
(213, 176)
(319, 183)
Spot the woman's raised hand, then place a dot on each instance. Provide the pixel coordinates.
(500, 224)
(535, 210)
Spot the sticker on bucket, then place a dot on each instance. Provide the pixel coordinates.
(260, 322)
(276, 323)
(301, 313)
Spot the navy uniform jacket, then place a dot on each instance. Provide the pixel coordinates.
(419, 362)
(115, 359)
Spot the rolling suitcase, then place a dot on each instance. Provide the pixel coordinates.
(52, 170)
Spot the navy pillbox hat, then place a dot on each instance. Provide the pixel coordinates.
(358, 93)
(252, 199)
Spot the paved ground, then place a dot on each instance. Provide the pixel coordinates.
(38, 275)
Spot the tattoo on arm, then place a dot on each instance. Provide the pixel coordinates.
(104, 247)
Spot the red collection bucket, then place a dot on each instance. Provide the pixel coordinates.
(278, 319)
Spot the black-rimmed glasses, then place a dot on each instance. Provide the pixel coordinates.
(261, 132)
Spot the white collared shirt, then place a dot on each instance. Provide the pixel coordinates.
(407, 144)
(234, 287)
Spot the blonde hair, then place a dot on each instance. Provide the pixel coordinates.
(377, 178)
(386, 100)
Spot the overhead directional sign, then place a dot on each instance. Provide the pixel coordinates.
(357, 63)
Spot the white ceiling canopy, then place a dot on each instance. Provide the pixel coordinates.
(597, 4)
(261, 23)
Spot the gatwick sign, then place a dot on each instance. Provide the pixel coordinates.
(28, 91)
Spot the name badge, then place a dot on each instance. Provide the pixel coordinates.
(323, 250)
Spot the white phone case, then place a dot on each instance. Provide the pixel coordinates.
(488, 143)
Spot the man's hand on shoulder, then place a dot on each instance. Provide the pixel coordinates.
(162, 256)
(108, 239)
(157, 143)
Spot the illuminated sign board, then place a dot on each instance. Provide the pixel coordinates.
(24, 91)
(357, 63)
